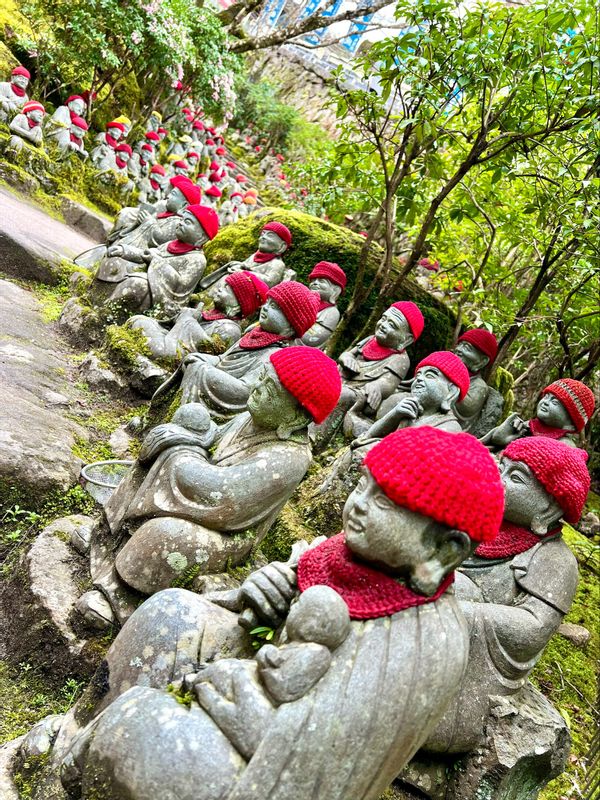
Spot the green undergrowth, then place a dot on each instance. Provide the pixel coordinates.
(568, 675)
(125, 344)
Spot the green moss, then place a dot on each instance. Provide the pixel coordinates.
(567, 675)
(503, 382)
(187, 577)
(287, 529)
(89, 452)
(125, 344)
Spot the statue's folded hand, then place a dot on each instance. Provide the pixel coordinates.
(269, 592)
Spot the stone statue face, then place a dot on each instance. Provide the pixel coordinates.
(272, 406)
(473, 359)
(76, 131)
(433, 389)
(20, 80)
(328, 290)
(77, 107)
(392, 330)
(225, 299)
(176, 200)
(269, 242)
(124, 156)
(181, 171)
(162, 180)
(526, 502)
(161, 135)
(237, 201)
(551, 412)
(36, 116)
(381, 532)
(273, 320)
(154, 123)
(116, 133)
(190, 231)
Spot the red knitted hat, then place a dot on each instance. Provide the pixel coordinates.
(79, 123)
(180, 165)
(311, 377)
(241, 179)
(413, 315)
(33, 105)
(214, 177)
(249, 290)
(451, 366)
(560, 468)
(197, 125)
(450, 477)
(329, 270)
(214, 191)
(21, 71)
(236, 194)
(192, 154)
(158, 169)
(209, 143)
(298, 304)
(281, 231)
(124, 148)
(189, 190)
(152, 136)
(220, 151)
(213, 166)
(118, 125)
(483, 340)
(74, 97)
(207, 217)
(147, 147)
(163, 130)
(576, 397)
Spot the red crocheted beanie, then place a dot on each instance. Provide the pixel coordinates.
(180, 165)
(249, 290)
(559, 467)
(158, 169)
(152, 136)
(450, 477)
(21, 71)
(79, 123)
(33, 105)
(451, 366)
(483, 340)
(298, 303)
(189, 190)
(207, 217)
(73, 97)
(413, 316)
(331, 271)
(214, 191)
(311, 377)
(124, 148)
(118, 125)
(576, 397)
(281, 231)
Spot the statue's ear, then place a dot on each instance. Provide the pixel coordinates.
(451, 550)
(451, 397)
(547, 519)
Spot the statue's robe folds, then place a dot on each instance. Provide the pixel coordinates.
(513, 607)
(346, 739)
(10, 102)
(223, 384)
(190, 511)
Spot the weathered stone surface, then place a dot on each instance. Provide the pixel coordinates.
(99, 377)
(589, 524)
(84, 220)
(79, 322)
(32, 243)
(8, 790)
(36, 435)
(146, 376)
(527, 745)
(576, 634)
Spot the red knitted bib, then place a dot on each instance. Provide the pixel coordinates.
(120, 163)
(368, 593)
(210, 316)
(323, 304)
(538, 428)
(165, 215)
(373, 351)
(154, 184)
(262, 258)
(177, 248)
(110, 141)
(257, 338)
(32, 123)
(511, 540)
(17, 90)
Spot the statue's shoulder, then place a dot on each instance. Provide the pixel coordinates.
(549, 572)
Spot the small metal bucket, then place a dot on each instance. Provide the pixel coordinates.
(101, 478)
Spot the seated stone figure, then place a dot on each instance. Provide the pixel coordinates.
(106, 143)
(72, 141)
(515, 590)
(267, 263)
(481, 409)
(426, 497)
(237, 299)
(135, 245)
(372, 369)
(186, 509)
(223, 383)
(13, 94)
(175, 268)
(562, 412)
(59, 124)
(329, 281)
(27, 126)
(152, 188)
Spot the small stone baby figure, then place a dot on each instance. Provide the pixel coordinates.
(329, 281)
(190, 425)
(241, 695)
(13, 95)
(27, 126)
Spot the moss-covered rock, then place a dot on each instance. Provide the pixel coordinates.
(503, 382)
(125, 344)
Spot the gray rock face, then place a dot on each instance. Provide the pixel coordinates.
(98, 376)
(576, 634)
(87, 222)
(8, 752)
(36, 435)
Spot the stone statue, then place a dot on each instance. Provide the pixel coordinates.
(59, 124)
(213, 195)
(126, 123)
(174, 270)
(71, 140)
(481, 409)
(154, 121)
(186, 509)
(334, 709)
(329, 281)
(162, 133)
(373, 369)
(267, 263)
(223, 383)
(515, 590)
(136, 245)
(106, 143)
(562, 412)
(238, 298)
(180, 168)
(227, 214)
(123, 153)
(151, 189)
(27, 126)
(13, 94)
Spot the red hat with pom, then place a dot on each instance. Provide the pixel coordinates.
(576, 397)
(207, 217)
(249, 290)
(311, 377)
(483, 340)
(189, 190)
(329, 270)
(451, 366)
(281, 231)
(298, 303)
(33, 105)
(450, 477)
(413, 316)
(559, 467)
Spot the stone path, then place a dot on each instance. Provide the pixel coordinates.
(36, 393)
